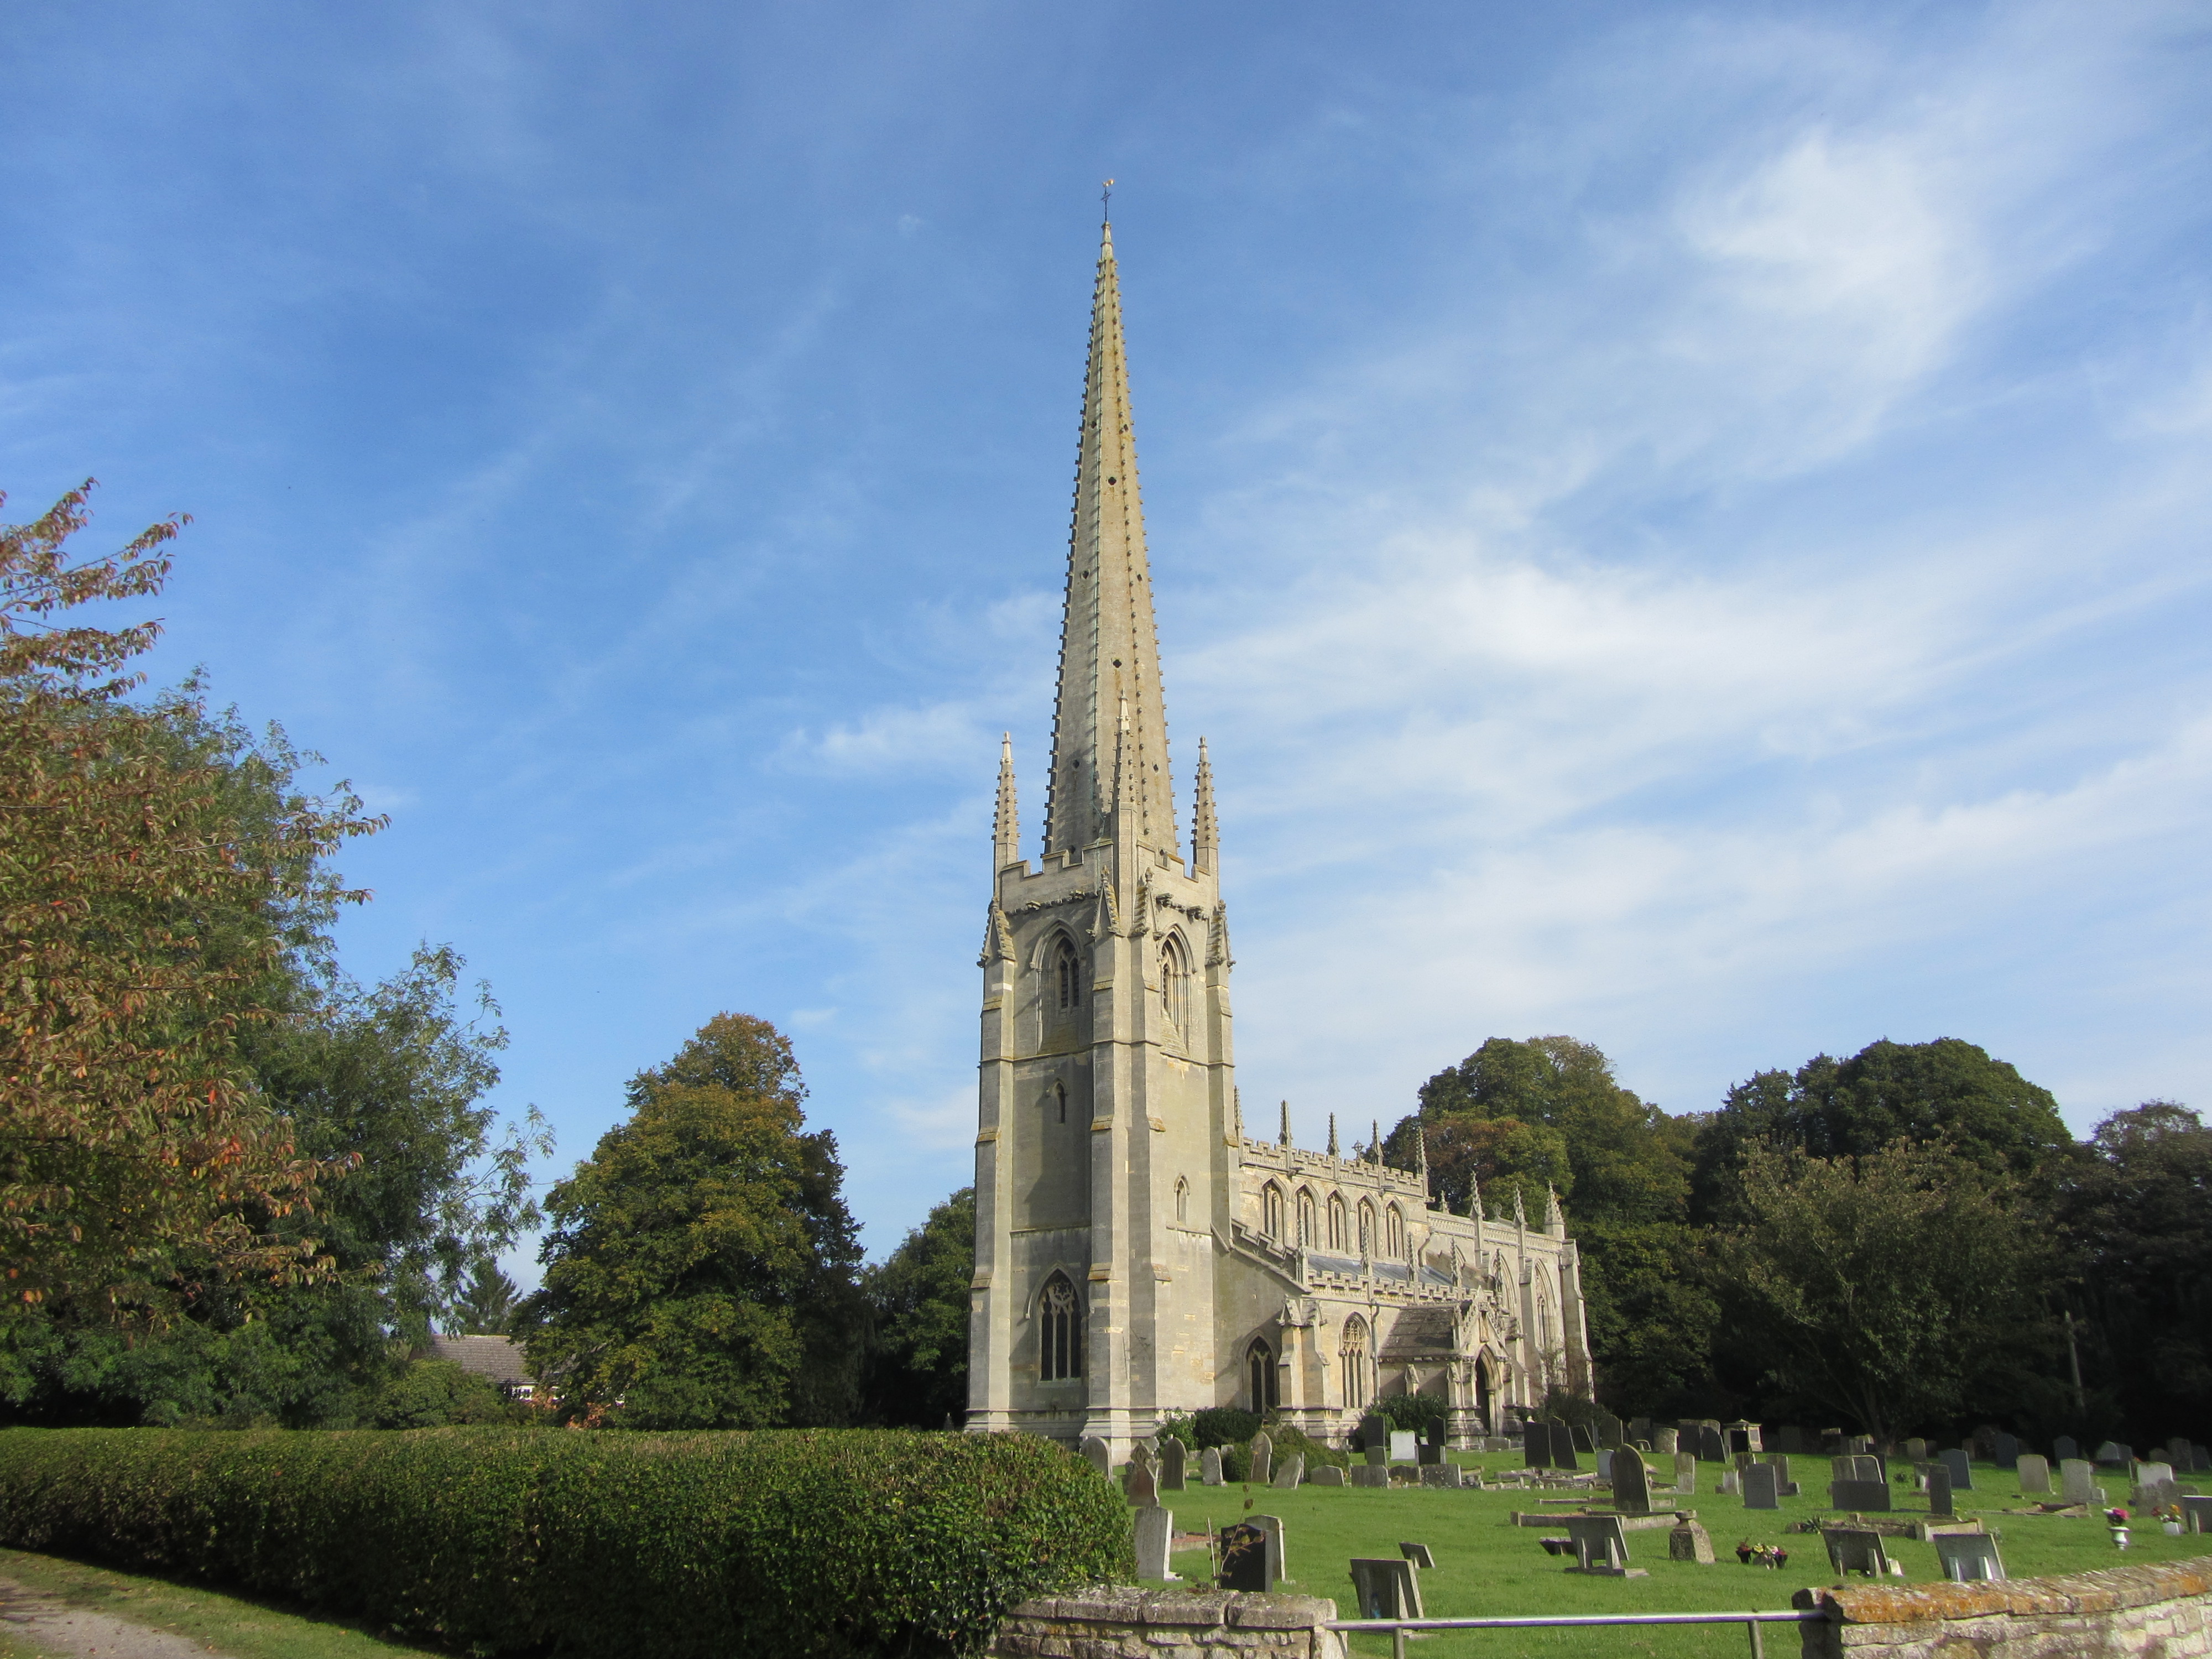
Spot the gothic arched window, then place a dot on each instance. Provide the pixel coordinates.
(1174, 982)
(1271, 1211)
(1394, 1233)
(1066, 977)
(1336, 1221)
(1306, 1236)
(1183, 1198)
(1366, 1228)
(1354, 1356)
(1259, 1376)
(1060, 1331)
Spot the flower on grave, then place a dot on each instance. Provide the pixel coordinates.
(2116, 1516)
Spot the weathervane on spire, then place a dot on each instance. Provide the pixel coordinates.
(1106, 201)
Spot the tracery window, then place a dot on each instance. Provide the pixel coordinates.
(1394, 1233)
(1259, 1376)
(1060, 1331)
(1336, 1225)
(1306, 1235)
(1067, 977)
(1271, 1211)
(1174, 982)
(1366, 1228)
(1357, 1375)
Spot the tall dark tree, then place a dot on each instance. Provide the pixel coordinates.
(918, 1306)
(700, 1269)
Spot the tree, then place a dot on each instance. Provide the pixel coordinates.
(699, 1271)
(2136, 1211)
(918, 1309)
(132, 1142)
(487, 1308)
(1947, 1091)
(1882, 1287)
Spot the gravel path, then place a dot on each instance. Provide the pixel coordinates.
(49, 1622)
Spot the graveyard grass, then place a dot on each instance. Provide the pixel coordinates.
(1486, 1568)
(230, 1625)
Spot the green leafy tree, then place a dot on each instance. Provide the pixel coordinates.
(699, 1272)
(1947, 1091)
(487, 1308)
(430, 1394)
(1883, 1287)
(917, 1301)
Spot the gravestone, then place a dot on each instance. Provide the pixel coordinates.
(1853, 1549)
(2006, 1453)
(1419, 1556)
(1144, 1491)
(1155, 1538)
(1761, 1490)
(1243, 1549)
(1962, 1473)
(1859, 1496)
(1263, 1459)
(1969, 1557)
(1374, 1437)
(2065, 1449)
(1448, 1475)
(1603, 1463)
(1631, 1484)
(1685, 1473)
(1939, 1491)
(1386, 1587)
(1640, 1430)
(1292, 1472)
(2113, 1456)
(1535, 1445)
(1405, 1446)
(1600, 1545)
(2197, 1512)
(1430, 1448)
(1094, 1450)
(1783, 1486)
(1790, 1440)
(2034, 1474)
(2077, 1482)
(1327, 1475)
(1664, 1442)
(1728, 1483)
(1172, 1464)
(1370, 1474)
(1688, 1541)
(1743, 1437)
(2154, 1487)
(1916, 1450)
(1563, 1448)
(1272, 1527)
(1209, 1467)
(1712, 1445)
(1578, 1439)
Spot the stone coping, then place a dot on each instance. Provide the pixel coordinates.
(2110, 1590)
(1202, 1609)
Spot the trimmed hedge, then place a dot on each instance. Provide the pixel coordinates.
(850, 1543)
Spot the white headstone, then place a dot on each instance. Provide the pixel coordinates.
(2034, 1474)
(1209, 1467)
(1155, 1539)
(2077, 1481)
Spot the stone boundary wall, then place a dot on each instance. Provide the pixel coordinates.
(1112, 1622)
(2162, 1611)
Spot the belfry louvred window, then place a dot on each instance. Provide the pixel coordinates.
(1060, 1331)
(1067, 973)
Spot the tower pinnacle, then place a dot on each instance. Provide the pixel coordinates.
(1205, 836)
(1109, 767)
(1284, 1138)
(1007, 829)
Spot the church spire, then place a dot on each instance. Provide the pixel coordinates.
(1006, 830)
(1332, 1134)
(1108, 767)
(1284, 1138)
(1205, 837)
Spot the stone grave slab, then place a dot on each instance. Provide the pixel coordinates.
(1712, 1444)
(1143, 1489)
(2065, 1449)
(1095, 1453)
(1243, 1550)
(1292, 1472)
(1278, 1557)
(1602, 1462)
(1916, 1450)
(2197, 1512)
(1370, 1474)
(1209, 1467)
(2034, 1474)
(1969, 1557)
(2077, 1482)
(1784, 1486)
(1631, 1484)
(1386, 1587)
(1580, 1438)
(1685, 1473)
(1449, 1476)
(1790, 1440)
(1263, 1459)
(1173, 1462)
(1938, 1491)
(1688, 1541)
(1859, 1496)
(1405, 1446)
(1761, 1489)
(1601, 1546)
(1665, 1442)
(1327, 1475)
(1962, 1472)
(2006, 1453)
(1854, 1549)
(1729, 1482)
(1419, 1556)
(2113, 1456)
(1563, 1449)
(1155, 1539)
(1639, 1429)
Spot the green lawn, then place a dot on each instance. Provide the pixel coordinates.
(228, 1624)
(1486, 1568)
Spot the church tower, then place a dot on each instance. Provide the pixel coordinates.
(1107, 1138)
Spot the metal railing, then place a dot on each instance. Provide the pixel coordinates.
(1750, 1621)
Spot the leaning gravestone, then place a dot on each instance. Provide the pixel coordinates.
(1969, 1557)
(1094, 1449)
(1144, 1491)
(1938, 1491)
(1685, 1473)
(2007, 1451)
(1916, 1450)
(1272, 1527)
(1386, 1587)
(1664, 1442)
(1851, 1549)
(1860, 1496)
(2197, 1512)
(1209, 1467)
(1263, 1459)
(2077, 1482)
(1601, 1543)
(1172, 1464)
(1783, 1486)
(1688, 1541)
(2113, 1456)
(1631, 1484)
(1962, 1473)
(1563, 1448)
(1329, 1475)
(1761, 1491)
(1292, 1472)
(1243, 1549)
(1580, 1438)
(1712, 1444)
(2065, 1449)
(2034, 1474)
(1155, 1540)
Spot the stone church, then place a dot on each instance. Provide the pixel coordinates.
(1137, 1253)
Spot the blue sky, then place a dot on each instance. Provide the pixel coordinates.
(1681, 526)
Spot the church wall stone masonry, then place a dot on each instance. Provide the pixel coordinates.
(1138, 1255)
